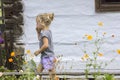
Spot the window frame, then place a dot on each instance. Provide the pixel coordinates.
(101, 6)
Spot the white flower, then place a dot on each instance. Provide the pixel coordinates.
(37, 77)
(21, 71)
(1, 74)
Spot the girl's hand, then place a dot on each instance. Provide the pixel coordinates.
(38, 30)
(55, 60)
(36, 53)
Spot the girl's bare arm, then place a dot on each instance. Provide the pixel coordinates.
(44, 46)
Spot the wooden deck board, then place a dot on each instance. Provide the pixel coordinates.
(68, 75)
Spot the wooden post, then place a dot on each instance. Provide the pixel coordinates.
(9, 48)
(13, 19)
(2, 27)
(6, 48)
(0, 56)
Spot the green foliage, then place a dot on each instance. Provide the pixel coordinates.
(27, 77)
(22, 77)
(108, 77)
(27, 69)
(3, 69)
(92, 62)
(8, 77)
(30, 66)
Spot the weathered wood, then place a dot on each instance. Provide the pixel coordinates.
(1, 60)
(18, 6)
(10, 21)
(12, 24)
(19, 49)
(103, 6)
(9, 49)
(10, 1)
(8, 10)
(18, 18)
(13, 21)
(60, 73)
(2, 27)
(13, 9)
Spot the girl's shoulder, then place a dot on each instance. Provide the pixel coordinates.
(45, 31)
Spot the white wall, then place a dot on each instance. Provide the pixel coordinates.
(73, 19)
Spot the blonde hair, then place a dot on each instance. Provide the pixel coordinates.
(45, 18)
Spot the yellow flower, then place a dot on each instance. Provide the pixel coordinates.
(86, 56)
(28, 51)
(100, 54)
(104, 33)
(118, 51)
(89, 37)
(12, 54)
(100, 24)
(83, 58)
(25, 62)
(10, 60)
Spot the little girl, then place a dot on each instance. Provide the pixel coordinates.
(46, 44)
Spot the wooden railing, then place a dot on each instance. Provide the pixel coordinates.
(72, 73)
(66, 75)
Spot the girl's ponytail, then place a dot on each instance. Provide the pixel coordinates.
(51, 16)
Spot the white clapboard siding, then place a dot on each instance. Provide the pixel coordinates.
(73, 19)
